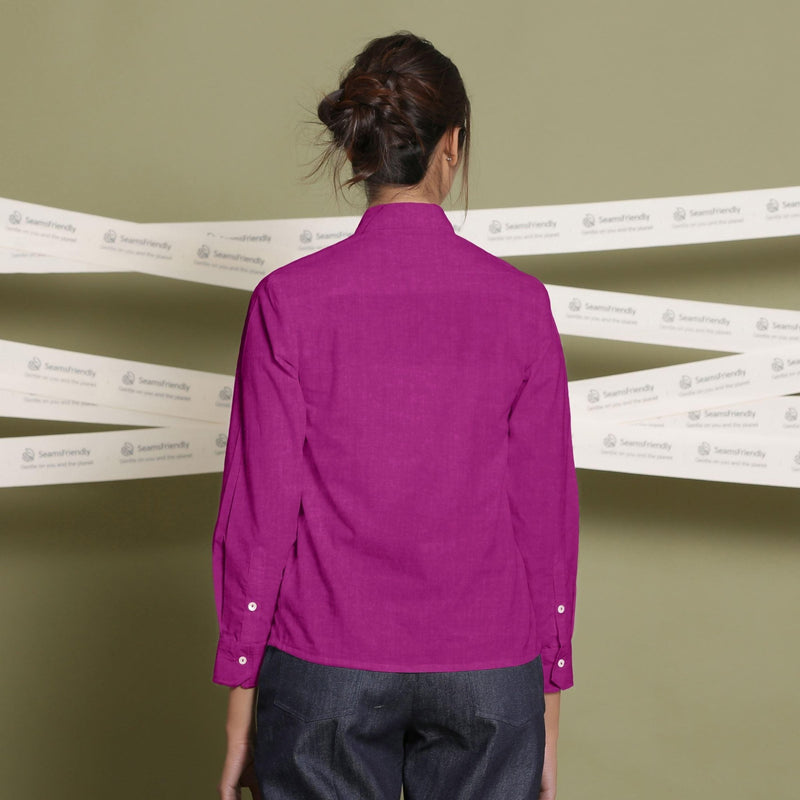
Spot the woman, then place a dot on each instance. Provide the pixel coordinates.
(396, 547)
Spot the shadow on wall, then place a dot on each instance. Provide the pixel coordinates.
(718, 510)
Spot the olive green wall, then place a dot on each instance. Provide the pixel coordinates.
(686, 644)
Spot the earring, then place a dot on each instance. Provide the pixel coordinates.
(449, 158)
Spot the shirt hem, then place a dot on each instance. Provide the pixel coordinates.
(395, 666)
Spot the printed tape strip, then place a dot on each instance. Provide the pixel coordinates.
(188, 450)
(116, 455)
(698, 455)
(653, 222)
(67, 235)
(118, 383)
(173, 250)
(672, 322)
(688, 387)
(205, 396)
(775, 416)
(237, 254)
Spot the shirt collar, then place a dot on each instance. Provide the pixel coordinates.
(417, 217)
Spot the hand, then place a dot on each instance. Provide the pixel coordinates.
(237, 772)
(238, 769)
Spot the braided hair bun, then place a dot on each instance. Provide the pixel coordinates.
(391, 109)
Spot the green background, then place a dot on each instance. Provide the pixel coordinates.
(686, 637)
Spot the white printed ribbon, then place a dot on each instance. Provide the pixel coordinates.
(662, 391)
(188, 450)
(636, 420)
(683, 453)
(116, 455)
(151, 388)
(668, 321)
(237, 254)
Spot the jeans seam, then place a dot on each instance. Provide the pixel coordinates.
(493, 716)
(337, 746)
(337, 713)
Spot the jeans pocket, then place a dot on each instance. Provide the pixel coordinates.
(313, 692)
(514, 695)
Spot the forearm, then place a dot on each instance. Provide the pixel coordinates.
(238, 769)
(552, 710)
(240, 714)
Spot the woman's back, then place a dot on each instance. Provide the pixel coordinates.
(396, 546)
(413, 508)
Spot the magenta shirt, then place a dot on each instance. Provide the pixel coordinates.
(399, 491)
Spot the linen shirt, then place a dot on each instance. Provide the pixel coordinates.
(399, 491)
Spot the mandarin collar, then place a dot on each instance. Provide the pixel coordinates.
(405, 216)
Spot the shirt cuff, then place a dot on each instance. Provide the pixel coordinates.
(237, 664)
(557, 668)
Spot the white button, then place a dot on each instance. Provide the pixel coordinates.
(561, 662)
(242, 660)
(561, 609)
(252, 606)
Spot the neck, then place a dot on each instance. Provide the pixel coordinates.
(404, 194)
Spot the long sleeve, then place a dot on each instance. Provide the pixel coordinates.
(261, 488)
(543, 499)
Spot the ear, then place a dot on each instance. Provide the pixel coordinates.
(451, 146)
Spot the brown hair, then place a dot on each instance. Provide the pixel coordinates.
(393, 105)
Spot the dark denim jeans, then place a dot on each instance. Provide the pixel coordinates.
(333, 733)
